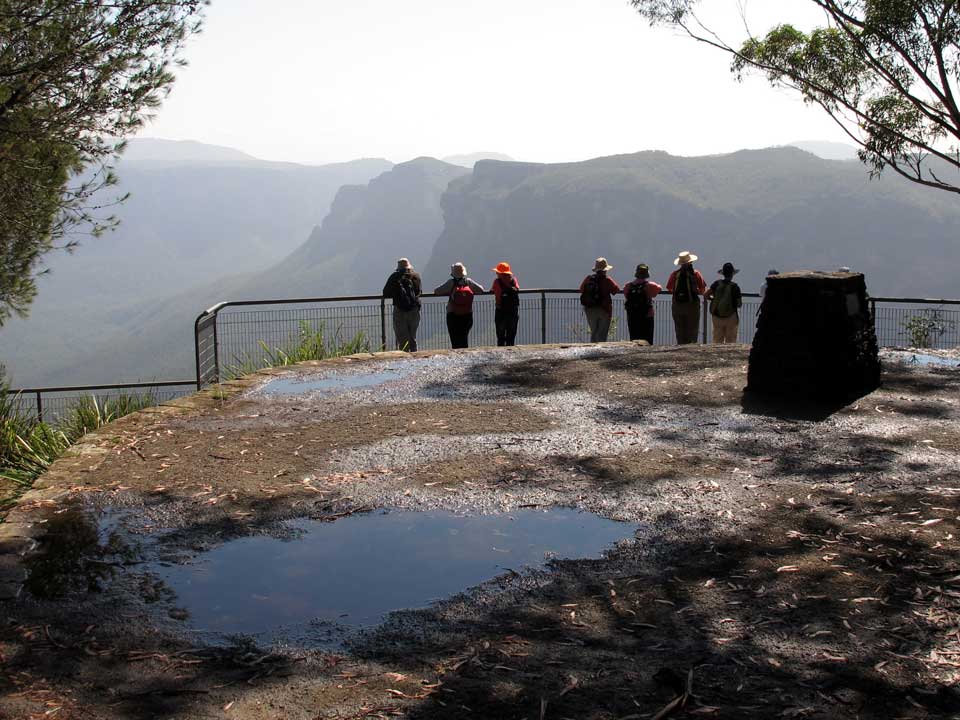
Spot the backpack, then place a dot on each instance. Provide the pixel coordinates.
(722, 305)
(683, 290)
(509, 296)
(461, 298)
(406, 298)
(637, 299)
(591, 296)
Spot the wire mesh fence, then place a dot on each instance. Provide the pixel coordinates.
(234, 338)
(246, 338)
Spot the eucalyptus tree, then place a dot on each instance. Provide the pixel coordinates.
(77, 77)
(884, 70)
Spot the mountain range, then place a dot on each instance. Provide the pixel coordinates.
(781, 207)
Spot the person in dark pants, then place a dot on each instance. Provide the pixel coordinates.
(506, 290)
(404, 287)
(638, 297)
(461, 291)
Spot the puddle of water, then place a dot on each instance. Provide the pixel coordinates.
(356, 570)
(922, 359)
(302, 385)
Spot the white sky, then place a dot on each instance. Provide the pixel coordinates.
(540, 80)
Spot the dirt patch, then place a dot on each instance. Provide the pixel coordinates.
(228, 464)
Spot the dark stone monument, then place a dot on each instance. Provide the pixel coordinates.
(815, 339)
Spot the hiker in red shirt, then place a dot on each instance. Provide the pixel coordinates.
(687, 285)
(638, 298)
(506, 291)
(461, 291)
(596, 296)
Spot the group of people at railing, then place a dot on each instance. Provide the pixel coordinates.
(685, 284)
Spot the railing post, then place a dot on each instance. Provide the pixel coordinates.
(39, 407)
(543, 317)
(704, 312)
(216, 350)
(383, 324)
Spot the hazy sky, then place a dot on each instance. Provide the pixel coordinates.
(540, 80)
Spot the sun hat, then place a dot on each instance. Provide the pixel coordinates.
(728, 269)
(601, 265)
(458, 269)
(643, 270)
(403, 264)
(503, 269)
(685, 258)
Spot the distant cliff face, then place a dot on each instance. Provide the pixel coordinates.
(778, 208)
(397, 214)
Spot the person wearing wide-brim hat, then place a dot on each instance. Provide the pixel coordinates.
(461, 291)
(596, 296)
(404, 288)
(687, 285)
(506, 292)
(638, 295)
(725, 302)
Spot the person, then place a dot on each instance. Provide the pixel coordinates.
(506, 291)
(763, 288)
(725, 301)
(687, 285)
(404, 287)
(461, 290)
(596, 296)
(638, 297)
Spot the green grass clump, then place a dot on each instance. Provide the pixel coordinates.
(28, 446)
(311, 343)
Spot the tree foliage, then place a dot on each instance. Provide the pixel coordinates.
(76, 78)
(885, 70)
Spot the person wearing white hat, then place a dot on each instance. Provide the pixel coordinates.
(687, 285)
(461, 290)
(596, 293)
(404, 287)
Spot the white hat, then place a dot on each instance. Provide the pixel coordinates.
(601, 265)
(685, 258)
(403, 264)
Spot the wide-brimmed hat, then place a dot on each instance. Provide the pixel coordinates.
(643, 270)
(458, 269)
(685, 258)
(728, 269)
(601, 265)
(503, 269)
(403, 264)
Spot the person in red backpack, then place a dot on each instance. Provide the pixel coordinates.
(461, 291)
(506, 290)
(596, 293)
(638, 298)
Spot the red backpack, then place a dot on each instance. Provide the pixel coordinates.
(461, 299)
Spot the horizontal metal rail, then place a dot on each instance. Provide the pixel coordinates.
(94, 388)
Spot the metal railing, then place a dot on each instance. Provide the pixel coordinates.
(52, 404)
(231, 336)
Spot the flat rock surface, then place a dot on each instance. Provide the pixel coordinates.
(789, 561)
